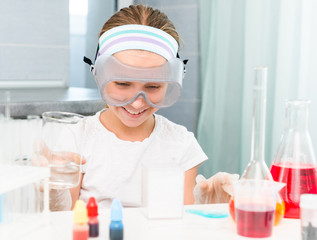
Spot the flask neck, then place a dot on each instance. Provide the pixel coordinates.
(297, 115)
(258, 115)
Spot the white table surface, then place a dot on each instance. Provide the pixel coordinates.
(138, 227)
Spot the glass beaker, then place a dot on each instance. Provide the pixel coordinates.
(60, 148)
(255, 203)
(294, 162)
(257, 168)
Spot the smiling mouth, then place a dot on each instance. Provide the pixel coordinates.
(135, 113)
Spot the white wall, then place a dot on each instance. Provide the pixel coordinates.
(34, 43)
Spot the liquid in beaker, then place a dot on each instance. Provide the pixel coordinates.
(255, 204)
(255, 220)
(65, 176)
(278, 216)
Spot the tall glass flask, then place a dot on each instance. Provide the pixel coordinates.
(294, 162)
(257, 168)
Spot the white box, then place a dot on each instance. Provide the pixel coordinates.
(162, 191)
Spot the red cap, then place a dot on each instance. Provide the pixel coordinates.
(92, 207)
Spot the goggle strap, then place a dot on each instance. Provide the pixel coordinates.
(97, 50)
(89, 62)
(184, 61)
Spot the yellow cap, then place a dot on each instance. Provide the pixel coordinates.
(80, 212)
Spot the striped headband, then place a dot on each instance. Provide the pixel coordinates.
(135, 36)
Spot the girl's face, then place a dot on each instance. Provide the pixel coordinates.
(136, 113)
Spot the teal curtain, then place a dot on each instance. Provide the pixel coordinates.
(235, 36)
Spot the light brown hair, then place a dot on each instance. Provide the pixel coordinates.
(144, 15)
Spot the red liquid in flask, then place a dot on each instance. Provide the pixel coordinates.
(299, 179)
(252, 223)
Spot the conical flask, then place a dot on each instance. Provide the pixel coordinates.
(294, 162)
(257, 168)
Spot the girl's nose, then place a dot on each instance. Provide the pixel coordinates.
(138, 103)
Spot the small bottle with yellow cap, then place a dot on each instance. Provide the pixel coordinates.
(80, 228)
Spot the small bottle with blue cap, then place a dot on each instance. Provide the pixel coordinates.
(116, 226)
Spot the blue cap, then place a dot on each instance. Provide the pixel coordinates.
(116, 210)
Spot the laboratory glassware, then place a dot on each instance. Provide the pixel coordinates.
(255, 203)
(257, 168)
(308, 216)
(23, 206)
(60, 148)
(294, 162)
(16, 140)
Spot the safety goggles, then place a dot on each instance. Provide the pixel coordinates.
(121, 84)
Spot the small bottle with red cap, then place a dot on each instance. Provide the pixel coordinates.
(93, 221)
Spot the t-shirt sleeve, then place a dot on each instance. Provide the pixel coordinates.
(193, 153)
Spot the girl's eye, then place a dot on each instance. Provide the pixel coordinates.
(153, 86)
(123, 84)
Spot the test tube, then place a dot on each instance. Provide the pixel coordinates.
(7, 104)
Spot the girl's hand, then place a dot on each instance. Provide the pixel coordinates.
(216, 189)
(45, 157)
(59, 199)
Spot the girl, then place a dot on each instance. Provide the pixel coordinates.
(138, 71)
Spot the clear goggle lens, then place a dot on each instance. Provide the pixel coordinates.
(121, 84)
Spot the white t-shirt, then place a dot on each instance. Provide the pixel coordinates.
(113, 166)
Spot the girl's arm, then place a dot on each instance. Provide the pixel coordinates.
(74, 192)
(190, 182)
